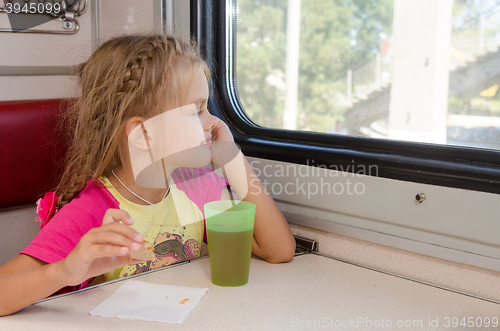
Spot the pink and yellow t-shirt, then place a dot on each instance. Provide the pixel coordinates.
(175, 226)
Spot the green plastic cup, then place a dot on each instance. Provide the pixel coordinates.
(229, 235)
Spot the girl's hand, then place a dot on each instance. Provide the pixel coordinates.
(223, 147)
(102, 249)
(221, 132)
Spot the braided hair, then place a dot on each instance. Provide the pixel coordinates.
(127, 76)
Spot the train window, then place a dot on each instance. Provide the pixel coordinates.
(397, 97)
(372, 68)
(348, 82)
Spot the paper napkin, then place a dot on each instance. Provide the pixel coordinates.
(151, 302)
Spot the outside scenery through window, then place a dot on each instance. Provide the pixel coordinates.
(413, 70)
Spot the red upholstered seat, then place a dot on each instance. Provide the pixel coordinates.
(32, 150)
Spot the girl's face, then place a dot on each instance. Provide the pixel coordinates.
(196, 134)
(181, 136)
(198, 95)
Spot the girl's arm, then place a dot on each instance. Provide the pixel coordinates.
(25, 279)
(272, 239)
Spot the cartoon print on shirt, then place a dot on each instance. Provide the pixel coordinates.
(141, 267)
(171, 245)
(192, 248)
(168, 249)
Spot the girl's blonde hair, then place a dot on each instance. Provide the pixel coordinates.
(127, 76)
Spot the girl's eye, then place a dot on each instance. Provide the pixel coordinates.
(200, 111)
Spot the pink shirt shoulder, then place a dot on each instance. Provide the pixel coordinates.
(68, 225)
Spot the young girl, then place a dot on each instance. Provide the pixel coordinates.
(99, 213)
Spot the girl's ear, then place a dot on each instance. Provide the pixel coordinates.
(136, 135)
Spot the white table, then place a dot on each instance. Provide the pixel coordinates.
(278, 296)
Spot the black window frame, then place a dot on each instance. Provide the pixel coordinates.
(450, 166)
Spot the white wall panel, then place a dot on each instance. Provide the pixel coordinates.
(37, 87)
(458, 219)
(120, 17)
(30, 49)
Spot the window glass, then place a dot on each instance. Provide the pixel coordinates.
(414, 70)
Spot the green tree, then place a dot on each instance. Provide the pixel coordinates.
(336, 35)
(261, 47)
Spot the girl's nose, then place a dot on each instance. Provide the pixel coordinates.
(211, 122)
